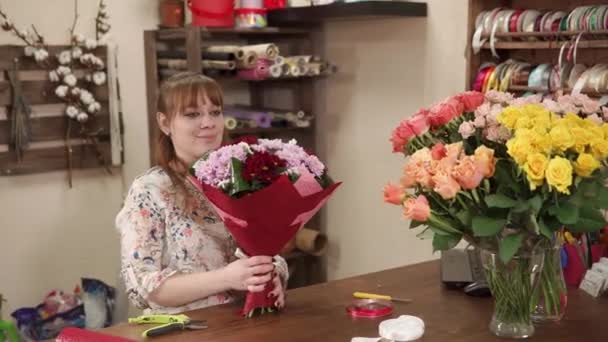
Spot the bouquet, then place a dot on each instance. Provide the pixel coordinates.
(264, 191)
(506, 174)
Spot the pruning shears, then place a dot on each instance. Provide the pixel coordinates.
(168, 323)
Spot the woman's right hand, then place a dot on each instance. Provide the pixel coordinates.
(249, 274)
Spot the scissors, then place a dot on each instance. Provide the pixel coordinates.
(168, 324)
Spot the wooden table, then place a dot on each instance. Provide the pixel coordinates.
(317, 313)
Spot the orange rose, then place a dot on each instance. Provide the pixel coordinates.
(417, 209)
(444, 184)
(485, 160)
(393, 194)
(467, 173)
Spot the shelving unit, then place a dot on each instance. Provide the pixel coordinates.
(262, 95)
(534, 47)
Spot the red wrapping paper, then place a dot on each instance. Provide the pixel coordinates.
(264, 221)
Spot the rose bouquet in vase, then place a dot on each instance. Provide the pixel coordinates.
(507, 175)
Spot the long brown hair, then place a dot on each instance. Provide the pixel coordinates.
(178, 92)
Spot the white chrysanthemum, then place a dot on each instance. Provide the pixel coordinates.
(76, 52)
(87, 58)
(82, 117)
(75, 91)
(70, 80)
(94, 107)
(99, 78)
(86, 97)
(63, 70)
(65, 57)
(41, 55)
(98, 62)
(53, 76)
(71, 111)
(29, 51)
(79, 38)
(24, 33)
(61, 91)
(88, 78)
(90, 44)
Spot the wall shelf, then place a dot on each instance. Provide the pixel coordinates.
(343, 11)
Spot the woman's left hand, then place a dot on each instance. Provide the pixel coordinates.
(278, 293)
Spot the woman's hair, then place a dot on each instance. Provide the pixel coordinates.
(178, 92)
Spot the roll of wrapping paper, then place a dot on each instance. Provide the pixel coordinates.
(234, 49)
(266, 51)
(178, 64)
(261, 71)
(217, 56)
(311, 241)
(248, 60)
(222, 65)
(279, 60)
(314, 69)
(298, 60)
(232, 123)
(261, 119)
(276, 70)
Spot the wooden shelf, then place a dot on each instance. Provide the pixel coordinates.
(588, 92)
(270, 130)
(354, 10)
(180, 33)
(553, 35)
(547, 44)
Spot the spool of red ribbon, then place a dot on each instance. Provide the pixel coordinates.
(370, 308)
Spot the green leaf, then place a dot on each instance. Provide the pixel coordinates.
(415, 224)
(240, 184)
(601, 201)
(465, 217)
(544, 229)
(508, 246)
(536, 203)
(590, 220)
(521, 207)
(487, 226)
(500, 201)
(567, 213)
(438, 230)
(445, 242)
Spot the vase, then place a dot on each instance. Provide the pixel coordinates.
(550, 297)
(512, 285)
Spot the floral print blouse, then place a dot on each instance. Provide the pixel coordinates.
(161, 237)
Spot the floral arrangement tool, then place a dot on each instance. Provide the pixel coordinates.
(168, 324)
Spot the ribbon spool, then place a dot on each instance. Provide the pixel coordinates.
(370, 308)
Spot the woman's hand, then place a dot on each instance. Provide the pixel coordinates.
(249, 274)
(278, 293)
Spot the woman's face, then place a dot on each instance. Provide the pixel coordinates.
(196, 130)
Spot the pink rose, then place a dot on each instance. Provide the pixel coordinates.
(417, 209)
(479, 122)
(498, 96)
(485, 161)
(419, 124)
(444, 184)
(466, 129)
(471, 100)
(595, 118)
(393, 194)
(467, 174)
(590, 106)
(401, 135)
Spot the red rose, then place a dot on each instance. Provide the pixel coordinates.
(471, 100)
(262, 166)
(401, 135)
(442, 113)
(438, 151)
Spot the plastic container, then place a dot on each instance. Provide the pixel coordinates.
(251, 17)
(214, 13)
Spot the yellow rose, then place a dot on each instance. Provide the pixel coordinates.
(595, 132)
(524, 122)
(582, 138)
(535, 110)
(535, 169)
(572, 119)
(605, 129)
(559, 174)
(599, 148)
(519, 149)
(542, 143)
(585, 165)
(509, 116)
(561, 139)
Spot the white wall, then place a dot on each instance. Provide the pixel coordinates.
(50, 235)
(388, 69)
